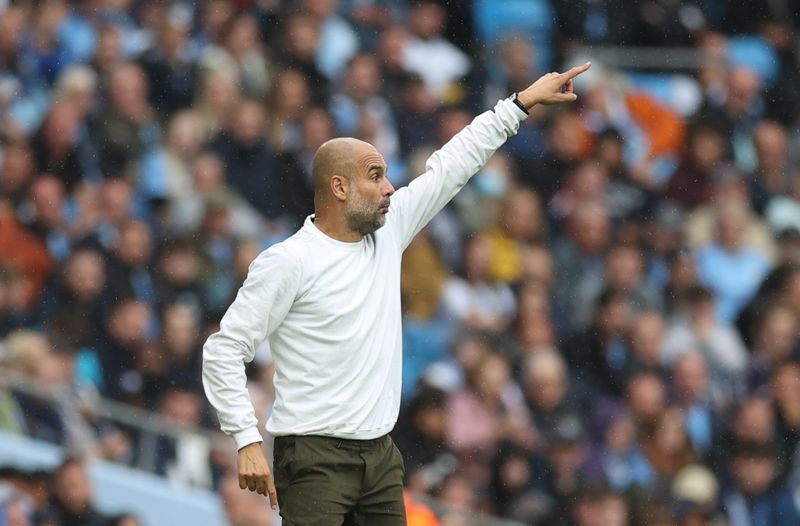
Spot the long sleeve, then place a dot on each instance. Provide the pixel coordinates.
(450, 167)
(260, 306)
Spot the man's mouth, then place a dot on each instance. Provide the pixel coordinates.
(384, 208)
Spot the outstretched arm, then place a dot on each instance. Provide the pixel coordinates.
(449, 168)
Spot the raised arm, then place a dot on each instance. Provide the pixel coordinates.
(450, 167)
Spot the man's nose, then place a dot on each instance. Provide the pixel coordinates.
(389, 189)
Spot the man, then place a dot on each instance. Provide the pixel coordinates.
(328, 300)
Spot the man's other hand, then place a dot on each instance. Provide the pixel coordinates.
(552, 88)
(254, 472)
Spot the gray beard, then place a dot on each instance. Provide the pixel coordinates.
(364, 222)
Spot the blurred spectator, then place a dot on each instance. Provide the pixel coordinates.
(277, 191)
(476, 301)
(617, 460)
(775, 343)
(667, 445)
(337, 38)
(495, 411)
(771, 175)
(125, 332)
(596, 507)
(706, 148)
(126, 128)
(693, 395)
(699, 329)
(238, 54)
(55, 147)
(429, 54)
(25, 253)
(72, 497)
(360, 111)
(172, 74)
(612, 299)
(755, 496)
(288, 103)
(128, 269)
(428, 459)
(623, 272)
(730, 268)
(599, 354)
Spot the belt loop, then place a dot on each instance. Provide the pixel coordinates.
(339, 444)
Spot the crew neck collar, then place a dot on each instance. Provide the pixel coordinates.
(349, 245)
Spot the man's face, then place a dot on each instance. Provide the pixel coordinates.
(368, 202)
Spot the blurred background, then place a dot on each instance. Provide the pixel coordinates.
(600, 330)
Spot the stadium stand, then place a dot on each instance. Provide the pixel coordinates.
(602, 328)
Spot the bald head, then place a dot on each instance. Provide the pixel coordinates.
(351, 189)
(337, 156)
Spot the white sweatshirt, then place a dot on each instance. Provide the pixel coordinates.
(331, 310)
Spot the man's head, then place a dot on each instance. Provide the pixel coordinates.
(71, 487)
(350, 179)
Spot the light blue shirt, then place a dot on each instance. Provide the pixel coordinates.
(734, 277)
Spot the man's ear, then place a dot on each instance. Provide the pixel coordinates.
(340, 187)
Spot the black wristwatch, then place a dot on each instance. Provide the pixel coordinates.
(515, 99)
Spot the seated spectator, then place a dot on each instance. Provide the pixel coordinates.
(338, 40)
(599, 354)
(128, 270)
(359, 101)
(429, 54)
(488, 410)
(707, 147)
(520, 223)
(127, 128)
(668, 447)
(617, 459)
(476, 301)
(548, 391)
(692, 393)
(756, 495)
(421, 438)
(785, 389)
(623, 271)
(72, 504)
(699, 329)
(775, 343)
(729, 191)
(729, 267)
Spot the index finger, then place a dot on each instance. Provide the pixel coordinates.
(273, 495)
(577, 70)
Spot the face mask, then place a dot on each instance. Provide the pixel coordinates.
(490, 183)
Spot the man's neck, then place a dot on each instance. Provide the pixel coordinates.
(337, 230)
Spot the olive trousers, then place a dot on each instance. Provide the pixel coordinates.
(325, 481)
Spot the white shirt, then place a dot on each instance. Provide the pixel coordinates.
(437, 61)
(331, 310)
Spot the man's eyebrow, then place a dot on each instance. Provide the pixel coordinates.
(375, 166)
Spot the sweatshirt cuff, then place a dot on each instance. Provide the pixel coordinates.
(247, 437)
(512, 108)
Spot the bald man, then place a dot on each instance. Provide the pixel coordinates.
(328, 301)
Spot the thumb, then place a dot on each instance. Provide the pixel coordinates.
(566, 97)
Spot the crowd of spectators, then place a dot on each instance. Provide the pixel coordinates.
(601, 329)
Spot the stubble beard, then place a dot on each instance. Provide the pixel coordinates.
(362, 217)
